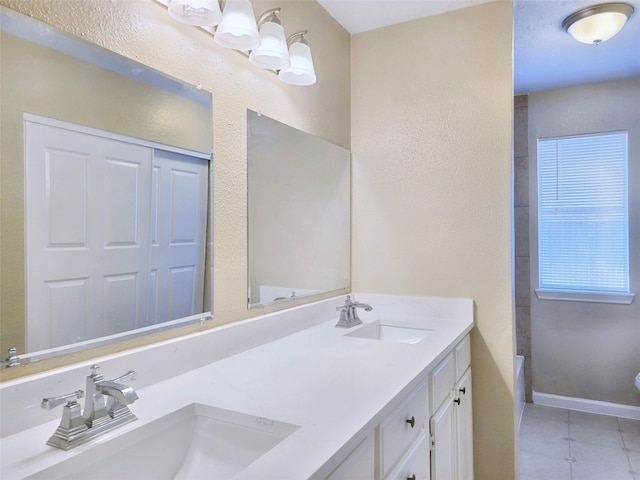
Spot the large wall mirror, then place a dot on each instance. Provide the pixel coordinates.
(298, 213)
(105, 168)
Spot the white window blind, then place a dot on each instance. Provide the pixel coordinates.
(583, 238)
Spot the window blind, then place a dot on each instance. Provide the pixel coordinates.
(583, 238)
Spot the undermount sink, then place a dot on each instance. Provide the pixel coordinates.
(195, 442)
(391, 332)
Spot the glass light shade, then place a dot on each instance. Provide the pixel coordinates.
(238, 27)
(272, 52)
(598, 28)
(202, 13)
(300, 71)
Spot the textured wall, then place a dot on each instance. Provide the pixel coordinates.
(142, 30)
(432, 124)
(588, 350)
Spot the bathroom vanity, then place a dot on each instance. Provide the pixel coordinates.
(281, 396)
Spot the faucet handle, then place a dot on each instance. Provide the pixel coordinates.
(69, 398)
(130, 375)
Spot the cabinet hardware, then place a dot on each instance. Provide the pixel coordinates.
(457, 400)
(412, 477)
(411, 421)
(463, 390)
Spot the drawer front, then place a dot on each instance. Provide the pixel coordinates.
(443, 378)
(396, 432)
(463, 356)
(360, 463)
(416, 465)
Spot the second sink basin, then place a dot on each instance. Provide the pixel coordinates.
(391, 332)
(195, 442)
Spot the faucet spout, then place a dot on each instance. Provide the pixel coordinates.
(366, 306)
(124, 394)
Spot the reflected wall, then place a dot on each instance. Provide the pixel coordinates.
(299, 212)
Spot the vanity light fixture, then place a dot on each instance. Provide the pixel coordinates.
(272, 52)
(233, 25)
(238, 29)
(300, 71)
(597, 23)
(201, 13)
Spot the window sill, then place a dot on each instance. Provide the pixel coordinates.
(592, 297)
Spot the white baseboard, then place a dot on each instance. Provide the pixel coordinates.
(585, 405)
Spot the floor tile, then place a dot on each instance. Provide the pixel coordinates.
(531, 410)
(631, 441)
(593, 419)
(604, 437)
(608, 457)
(634, 458)
(544, 467)
(589, 471)
(550, 445)
(629, 426)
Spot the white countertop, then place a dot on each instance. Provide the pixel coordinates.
(333, 387)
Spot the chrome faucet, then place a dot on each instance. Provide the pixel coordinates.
(105, 408)
(349, 315)
(107, 400)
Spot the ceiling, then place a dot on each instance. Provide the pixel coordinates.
(545, 57)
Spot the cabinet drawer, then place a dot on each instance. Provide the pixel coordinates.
(358, 465)
(417, 463)
(463, 356)
(396, 432)
(443, 377)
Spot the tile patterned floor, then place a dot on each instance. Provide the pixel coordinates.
(559, 444)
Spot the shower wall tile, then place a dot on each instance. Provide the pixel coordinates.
(521, 237)
(523, 282)
(521, 182)
(522, 231)
(521, 124)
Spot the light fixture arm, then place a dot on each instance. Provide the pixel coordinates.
(269, 16)
(297, 38)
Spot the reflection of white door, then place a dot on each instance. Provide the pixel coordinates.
(115, 235)
(87, 241)
(178, 226)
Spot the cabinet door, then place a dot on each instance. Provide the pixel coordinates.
(443, 455)
(464, 427)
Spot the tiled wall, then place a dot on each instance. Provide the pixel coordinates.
(521, 214)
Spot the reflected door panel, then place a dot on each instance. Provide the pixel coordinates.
(178, 226)
(79, 253)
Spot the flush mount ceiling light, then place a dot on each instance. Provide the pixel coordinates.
(598, 23)
(272, 52)
(300, 71)
(202, 13)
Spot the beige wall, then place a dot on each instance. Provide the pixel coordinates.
(142, 30)
(432, 123)
(588, 350)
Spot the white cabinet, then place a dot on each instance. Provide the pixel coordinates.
(416, 442)
(451, 425)
(359, 465)
(464, 427)
(400, 434)
(415, 466)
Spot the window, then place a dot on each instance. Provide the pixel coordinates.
(583, 238)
